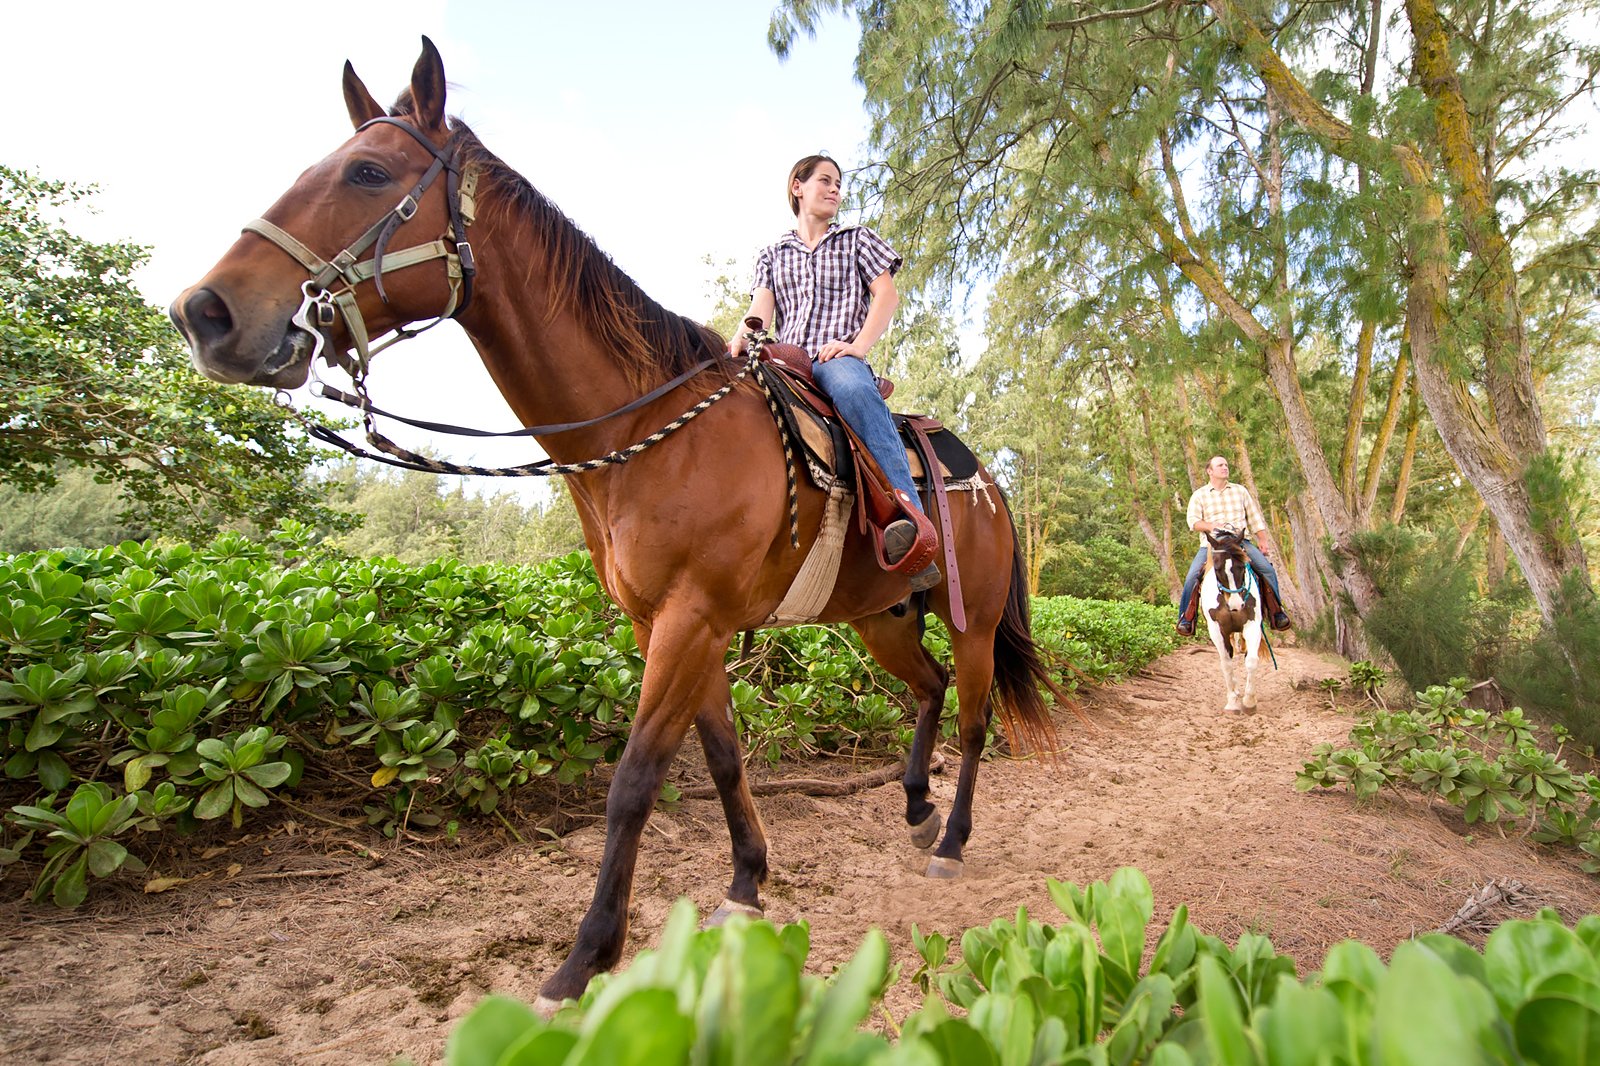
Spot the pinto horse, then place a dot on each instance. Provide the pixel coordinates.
(1230, 599)
(691, 537)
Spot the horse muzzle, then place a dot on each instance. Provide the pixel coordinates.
(225, 349)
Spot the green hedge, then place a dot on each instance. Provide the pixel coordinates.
(144, 687)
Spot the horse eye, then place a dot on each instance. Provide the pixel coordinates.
(370, 175)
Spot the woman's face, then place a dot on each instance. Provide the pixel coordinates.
(819, 194)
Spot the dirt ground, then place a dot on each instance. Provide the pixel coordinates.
(309, 944)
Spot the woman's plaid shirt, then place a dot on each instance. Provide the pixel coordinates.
(822, 293)
(1231, 505)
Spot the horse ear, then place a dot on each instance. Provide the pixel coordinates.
(362, 107)
(427, 87)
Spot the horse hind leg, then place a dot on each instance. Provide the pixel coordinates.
(720, 741)
(895, 642)
(974, 655)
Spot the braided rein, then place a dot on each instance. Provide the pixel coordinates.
(394, 455)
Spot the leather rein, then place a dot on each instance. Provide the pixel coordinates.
(322, 306)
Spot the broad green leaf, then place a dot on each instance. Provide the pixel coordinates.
(105, 856)
(1571, 986)
(489, 1030)
(1425, 1013)
(959, 1044)
(71, 887)
(1301, 1026)
(136, 774)
(216, 801)
(1554, 1030)
(1226, 1036)
(644, 1029)
(1175, 950)
(749, 1001)
(269, 774)
(545, 1047)
(1123, 908)
(52, 771)
(847, 1000)
(1520, 954)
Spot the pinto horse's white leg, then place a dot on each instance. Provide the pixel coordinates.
(1226, 660)
(1252, 658)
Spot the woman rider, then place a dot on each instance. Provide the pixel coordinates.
(832, 290)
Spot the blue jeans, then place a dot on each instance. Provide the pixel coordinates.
(851, 386)
(1197, 568)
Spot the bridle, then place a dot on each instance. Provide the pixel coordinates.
(321, 306)
(1249, 574)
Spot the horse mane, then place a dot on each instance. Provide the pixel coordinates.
(647, 340)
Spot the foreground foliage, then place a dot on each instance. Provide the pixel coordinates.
(1487, 763)
(1078, 992)
(145, 688)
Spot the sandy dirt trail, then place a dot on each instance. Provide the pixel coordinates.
(290, 946)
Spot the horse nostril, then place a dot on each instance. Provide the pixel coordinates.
(207, 317)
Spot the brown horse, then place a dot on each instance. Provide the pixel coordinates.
(690, 537)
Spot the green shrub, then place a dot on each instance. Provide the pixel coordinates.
(217, 676)
(1022, 991)
(1486, 763)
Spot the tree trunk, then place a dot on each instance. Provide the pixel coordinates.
(1493, 459)
(1391, 418)
(1408, 457)
(1160, 546)
(1350, 454)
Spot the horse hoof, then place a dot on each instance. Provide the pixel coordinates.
(545, 1007)
(925, 832)
(943, 869)
(728, 909)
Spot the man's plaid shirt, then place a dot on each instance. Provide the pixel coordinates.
(822, 293)
(1231, 505)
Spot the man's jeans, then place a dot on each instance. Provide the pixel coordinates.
(851, 386)
(1197, 568)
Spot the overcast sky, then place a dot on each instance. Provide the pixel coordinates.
(664, 130)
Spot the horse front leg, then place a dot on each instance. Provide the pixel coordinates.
(1219, 639)
(1252, 659)
(682, 675)
(720, 740)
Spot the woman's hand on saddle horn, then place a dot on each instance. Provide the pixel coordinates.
(834, 349)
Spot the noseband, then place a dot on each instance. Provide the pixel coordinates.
(321, 304)
(1219, 561)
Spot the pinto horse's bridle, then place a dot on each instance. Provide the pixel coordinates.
(321, 305)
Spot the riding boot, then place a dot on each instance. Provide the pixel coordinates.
(1272, 608)
(1186, 623)
(898, 538)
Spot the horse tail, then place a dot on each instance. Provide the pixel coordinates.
(1019, 668)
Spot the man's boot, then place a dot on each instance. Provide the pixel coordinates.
(1274, 609)
(1186, 623)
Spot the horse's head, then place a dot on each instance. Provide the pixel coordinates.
(300, 266)
(1231, 565)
